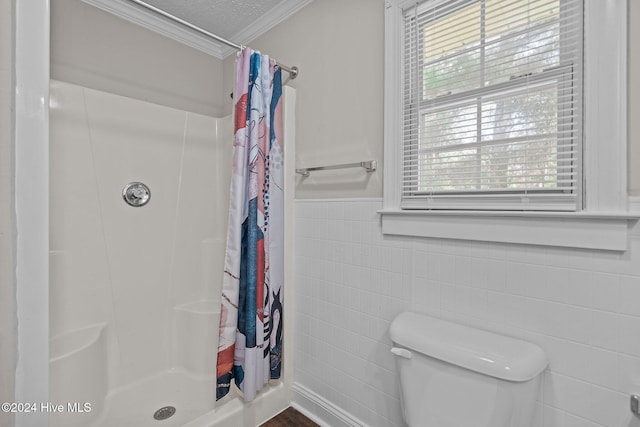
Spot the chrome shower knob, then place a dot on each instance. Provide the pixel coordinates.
(136, 194)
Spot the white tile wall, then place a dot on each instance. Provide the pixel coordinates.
(581, 306)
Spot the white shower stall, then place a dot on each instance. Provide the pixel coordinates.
(135, 291)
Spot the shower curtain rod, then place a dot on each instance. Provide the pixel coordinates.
(293, 71)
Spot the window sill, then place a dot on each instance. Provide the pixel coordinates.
(605, 231)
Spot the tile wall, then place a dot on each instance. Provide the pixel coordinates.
(581, 306)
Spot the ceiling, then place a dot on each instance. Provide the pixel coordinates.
(239, 21)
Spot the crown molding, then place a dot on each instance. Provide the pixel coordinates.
(145, 18)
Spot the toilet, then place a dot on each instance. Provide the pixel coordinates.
(456, 376)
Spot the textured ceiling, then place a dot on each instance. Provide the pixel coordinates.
(226, 18)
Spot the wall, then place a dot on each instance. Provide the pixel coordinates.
(634, 98)
(338, 47)
(95, 49)
(7, 279)
(580, 306)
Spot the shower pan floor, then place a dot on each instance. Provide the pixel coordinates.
(135, 405)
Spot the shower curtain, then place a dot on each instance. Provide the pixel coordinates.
(250, 336)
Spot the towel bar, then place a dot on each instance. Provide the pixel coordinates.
(368, 165)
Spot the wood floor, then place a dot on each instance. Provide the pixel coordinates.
(290, 418)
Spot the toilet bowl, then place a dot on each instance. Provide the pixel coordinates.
(456, 376)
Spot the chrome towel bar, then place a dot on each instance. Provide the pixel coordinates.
(368, 165)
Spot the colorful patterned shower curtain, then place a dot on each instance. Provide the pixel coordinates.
(250, 340)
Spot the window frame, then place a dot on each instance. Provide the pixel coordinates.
(603, 219)
(543, 199)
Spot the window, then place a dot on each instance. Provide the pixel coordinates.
(492, 104)
(506, 123)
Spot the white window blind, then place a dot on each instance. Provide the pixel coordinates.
(492, 96)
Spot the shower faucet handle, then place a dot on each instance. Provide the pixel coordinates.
(136, 194)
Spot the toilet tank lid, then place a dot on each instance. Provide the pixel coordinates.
(480, 351)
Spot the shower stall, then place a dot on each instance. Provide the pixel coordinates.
(138, 214)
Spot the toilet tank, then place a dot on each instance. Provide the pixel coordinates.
(455, 375)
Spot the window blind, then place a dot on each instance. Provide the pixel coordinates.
(492, 95)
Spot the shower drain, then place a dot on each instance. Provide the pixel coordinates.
(164, 413)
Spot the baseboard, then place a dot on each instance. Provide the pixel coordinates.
(320, 410)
